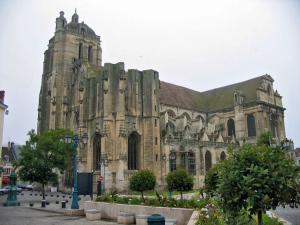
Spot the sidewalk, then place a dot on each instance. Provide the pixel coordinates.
(56, 209)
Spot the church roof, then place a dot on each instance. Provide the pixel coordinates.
(79, 28)
(212, 100)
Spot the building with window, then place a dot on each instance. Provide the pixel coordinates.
(297, 156)
(136, 121)
(3, 111)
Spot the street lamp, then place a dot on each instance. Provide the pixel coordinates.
(75, 141)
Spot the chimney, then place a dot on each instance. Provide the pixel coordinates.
(2, 94)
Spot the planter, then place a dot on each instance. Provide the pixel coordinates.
(111, 211)
(141, 219)
(93, 214)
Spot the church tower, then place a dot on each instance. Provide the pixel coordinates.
(73, 43)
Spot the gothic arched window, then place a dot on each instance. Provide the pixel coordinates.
(191, 163)
(133, 144)
(208, 161)
(251, 126)
(230, 127)
(90, 54)
(97, 152)
(273, 125)
(223, 156)
(183, 160)
(172, 161)
(80, 51)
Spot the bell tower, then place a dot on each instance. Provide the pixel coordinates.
(73, 44)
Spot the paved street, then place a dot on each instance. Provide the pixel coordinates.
(24, 215)
(289, 214)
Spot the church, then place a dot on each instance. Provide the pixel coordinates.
(134, 120)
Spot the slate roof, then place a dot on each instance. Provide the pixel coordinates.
(13, 152)
(212, 100)
(7, 154)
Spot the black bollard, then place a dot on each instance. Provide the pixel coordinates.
(63, 204)
(43, 205)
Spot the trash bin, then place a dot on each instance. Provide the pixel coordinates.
(156, 219)
(63, 204)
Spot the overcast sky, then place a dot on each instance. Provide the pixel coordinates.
(197, 44)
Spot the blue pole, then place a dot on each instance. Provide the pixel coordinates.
(75, 185)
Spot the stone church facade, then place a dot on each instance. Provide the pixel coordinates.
(135, 121)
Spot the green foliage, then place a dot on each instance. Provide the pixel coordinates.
(162, 201)
(270, 221)
(255, 178)
(179, 180)
(210, 215)
(41, 155)
(212, 179)
(265, 139)
(141, 181)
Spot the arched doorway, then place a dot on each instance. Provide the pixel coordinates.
(96, 152)
(208, 161)
(133, 151)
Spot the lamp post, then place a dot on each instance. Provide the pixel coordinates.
(172, 158)
(75, 142)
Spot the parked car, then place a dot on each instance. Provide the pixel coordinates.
(29, 187)
(24, 187)
(3, 191)
(19, 190)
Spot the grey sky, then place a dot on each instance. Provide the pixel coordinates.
(197, 44)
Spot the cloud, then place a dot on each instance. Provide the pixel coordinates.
(197, 44)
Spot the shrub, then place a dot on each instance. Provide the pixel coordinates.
(143, 180)
(180, 180)
(255, 178)
(163, 201)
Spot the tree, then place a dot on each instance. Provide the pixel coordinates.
(143, 180)
(42, 155)
(180, 180)
(255, 178)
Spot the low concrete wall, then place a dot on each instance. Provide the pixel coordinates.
(111, 211)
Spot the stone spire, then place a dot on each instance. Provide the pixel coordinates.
(75, 17)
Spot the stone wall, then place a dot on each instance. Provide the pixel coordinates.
(111, 211)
